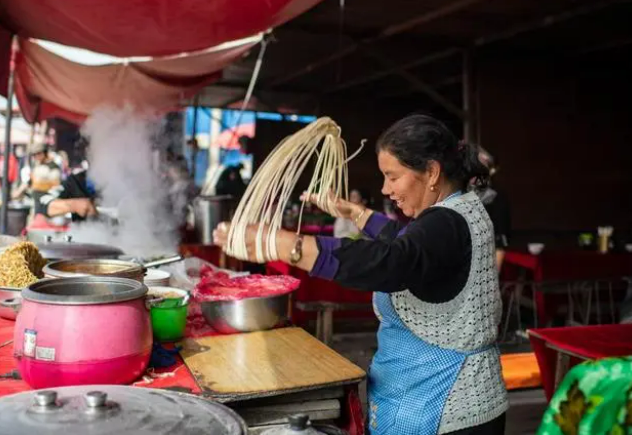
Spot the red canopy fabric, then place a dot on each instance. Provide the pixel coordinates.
(71, 91)
(127, 28)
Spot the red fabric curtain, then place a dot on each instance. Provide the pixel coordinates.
(48, 85)
(146, 27)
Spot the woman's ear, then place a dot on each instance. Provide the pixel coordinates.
(434, 172)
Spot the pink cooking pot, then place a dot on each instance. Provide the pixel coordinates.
(86, 330)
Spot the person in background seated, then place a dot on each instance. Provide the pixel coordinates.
(497, 205)
(43, 175)
(346, 227)
(75, 195)
(182, 190)
(231, 183)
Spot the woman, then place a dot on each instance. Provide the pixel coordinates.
(436, 370)
(344, 227)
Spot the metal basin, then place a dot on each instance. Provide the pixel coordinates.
(94, 267)
(246, 315)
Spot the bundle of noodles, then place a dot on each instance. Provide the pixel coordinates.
(21, 265)
(270, 189)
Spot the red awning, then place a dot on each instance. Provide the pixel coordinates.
(48, 85)
(127, 28)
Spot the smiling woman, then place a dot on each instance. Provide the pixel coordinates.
(437, 369)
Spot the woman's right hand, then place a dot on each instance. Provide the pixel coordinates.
(342, 208)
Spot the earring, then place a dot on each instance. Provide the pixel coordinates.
(433, 188)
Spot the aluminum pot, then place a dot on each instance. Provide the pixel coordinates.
(94, 267)
(10, 299)
(210, 211)
(115, 409)
(78, 331)
(68, 249)
(246, 315)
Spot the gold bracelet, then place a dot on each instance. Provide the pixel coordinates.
(355, 221)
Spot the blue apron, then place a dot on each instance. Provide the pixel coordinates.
(409, 379)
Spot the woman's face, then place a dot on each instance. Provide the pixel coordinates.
(409, 189)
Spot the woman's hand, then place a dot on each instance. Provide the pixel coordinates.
(342, 208)
(285, 242)
(220, 238)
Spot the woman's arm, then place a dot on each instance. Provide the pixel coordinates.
(434, 246)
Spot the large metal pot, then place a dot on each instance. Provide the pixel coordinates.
(104, 267)
(78, 331)
(66, 249)
(9, 302)
(115, 409)
(17, 218)
(210, 211)
(94, 267)
(246, 315)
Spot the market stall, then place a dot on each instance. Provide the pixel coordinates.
(265, 376)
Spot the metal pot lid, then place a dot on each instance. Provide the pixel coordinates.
(299, 424)
(90, 266)
(116, 409)
(88, 290)
(67, 249)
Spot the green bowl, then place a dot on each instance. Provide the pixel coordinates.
(169, 323)
(168, 317)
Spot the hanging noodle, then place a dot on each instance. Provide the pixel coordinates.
(269, 191)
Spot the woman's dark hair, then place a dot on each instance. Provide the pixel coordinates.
(418, 139)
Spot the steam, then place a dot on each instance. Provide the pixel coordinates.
(121, 156)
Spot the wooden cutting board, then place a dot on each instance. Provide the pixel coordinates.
(266, 363)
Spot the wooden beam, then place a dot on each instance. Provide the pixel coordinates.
(386, 72)
(546, 21)
(448, 81)
(384, 34)
(427, 17)
(603, 47)
(416, 82)
(484, 40)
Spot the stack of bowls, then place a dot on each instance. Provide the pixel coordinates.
(157, 278)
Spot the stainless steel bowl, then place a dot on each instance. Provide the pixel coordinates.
(246, 315)
(10, 298)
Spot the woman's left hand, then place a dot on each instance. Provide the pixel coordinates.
(220, 238)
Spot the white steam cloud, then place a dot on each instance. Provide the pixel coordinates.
(120, 156)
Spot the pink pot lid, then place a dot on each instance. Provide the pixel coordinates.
(85, 290)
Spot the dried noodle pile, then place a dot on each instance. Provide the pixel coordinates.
(21, 265)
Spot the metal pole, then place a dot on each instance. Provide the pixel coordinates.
(469, 120)
(4, 213)
(196, 102)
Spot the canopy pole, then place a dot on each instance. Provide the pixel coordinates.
(8, 149)
(194, 148)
